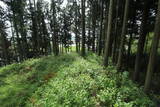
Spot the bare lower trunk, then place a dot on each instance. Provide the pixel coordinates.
(153, 53)
(108, 35)
(141, 41)
(124, 28)
(83, 28)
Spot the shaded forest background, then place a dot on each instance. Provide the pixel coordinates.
(125, 32)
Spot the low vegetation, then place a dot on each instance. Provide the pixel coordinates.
(68, 80)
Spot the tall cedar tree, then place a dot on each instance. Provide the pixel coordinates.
(123, 34)
(108, 34)
(83, 28)
(141, 40)
(101, 29)
(153, 53)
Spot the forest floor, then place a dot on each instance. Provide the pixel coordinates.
(68, 80)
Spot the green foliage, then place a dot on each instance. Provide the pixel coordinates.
(68, 80)
(85, 83)
(19, 81)
(147, 44)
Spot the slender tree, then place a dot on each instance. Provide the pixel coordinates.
(4, 44)
(142, 38)
(76, 26)
(123, 34)
(108, 34)
(115, 32)
(153, 53)
(93, 9)
(83, 27)
(101, 29)
(54, 29)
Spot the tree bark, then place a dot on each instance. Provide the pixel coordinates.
(101, 30)
(115, 32)
(108, 34)
(124, 28)
(141, 41)
(83, 28)
(153, 53)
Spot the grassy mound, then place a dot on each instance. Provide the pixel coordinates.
(19, 81)
(85, 83)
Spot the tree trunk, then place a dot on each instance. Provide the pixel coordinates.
(93, 26)
(34, 30)
(76, 28)
(22, 29)
(115, 32)
(129, 47)
(141, 41)
(124, 28)
(108, 34)
(93, 33)
(83, 28)
(101, 30)
(55, 43)
(89, 35)
(153, 53)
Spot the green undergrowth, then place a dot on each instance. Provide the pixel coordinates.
(68, 81)
(85, 83)
(19, 81)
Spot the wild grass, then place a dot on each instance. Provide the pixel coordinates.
(68, 81)
(19, 81)
(85, 83)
